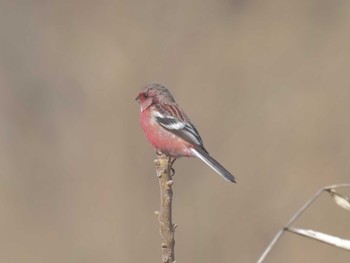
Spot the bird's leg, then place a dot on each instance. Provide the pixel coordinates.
(172, 160)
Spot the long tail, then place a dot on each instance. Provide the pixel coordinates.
(215, 165)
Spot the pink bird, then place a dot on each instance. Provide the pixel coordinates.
(170, 131)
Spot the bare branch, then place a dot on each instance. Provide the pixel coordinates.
(166, 226)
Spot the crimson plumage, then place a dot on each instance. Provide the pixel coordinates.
(169, 130)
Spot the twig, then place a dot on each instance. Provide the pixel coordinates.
(295, 217)
(166, 226)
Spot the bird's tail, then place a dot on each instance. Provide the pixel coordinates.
(215, 165)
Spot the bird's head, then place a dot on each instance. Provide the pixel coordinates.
(153, 93)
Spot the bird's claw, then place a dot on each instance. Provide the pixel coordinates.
(172, 161)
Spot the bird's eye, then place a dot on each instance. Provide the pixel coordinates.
(145, 95)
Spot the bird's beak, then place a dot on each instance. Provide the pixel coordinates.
(137, 98)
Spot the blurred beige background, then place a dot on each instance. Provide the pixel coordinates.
(265, 82)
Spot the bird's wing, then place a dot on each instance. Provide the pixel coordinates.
(173, 119)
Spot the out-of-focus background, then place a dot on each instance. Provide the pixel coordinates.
(265, 82)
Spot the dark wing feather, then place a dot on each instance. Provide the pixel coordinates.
(182, 128)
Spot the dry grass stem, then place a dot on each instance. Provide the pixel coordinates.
(329, 189)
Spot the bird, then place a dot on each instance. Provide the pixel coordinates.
(169, 129)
